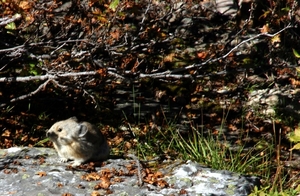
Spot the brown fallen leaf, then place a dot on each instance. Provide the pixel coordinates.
(95, 193)
(41, 173)
(67, 194)
(104, 184)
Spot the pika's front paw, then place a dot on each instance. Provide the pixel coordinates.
(63, 160)
(76, 163)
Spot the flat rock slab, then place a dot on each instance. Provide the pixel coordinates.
(37, 171)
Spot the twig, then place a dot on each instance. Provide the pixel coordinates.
(22, 97)
(139, 175)
(247, 40)
(57, 48)
(90, 95)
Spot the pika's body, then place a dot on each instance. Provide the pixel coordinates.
(78, 141)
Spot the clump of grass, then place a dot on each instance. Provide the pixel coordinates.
(262, 159)
(210, 151)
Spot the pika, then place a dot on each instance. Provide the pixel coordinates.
(78, 141)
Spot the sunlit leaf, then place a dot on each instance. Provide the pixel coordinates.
(296, 147)
(202, 55)
(17, 16)
(265, 29)
(11, 26)
(25, 5)
(114, 4)
(296, 54)
(297, 69)
(265, 14)
(295, 136)
(275, 39)
(247, 61)
(34, 70)
(286, 9)
(102, 19)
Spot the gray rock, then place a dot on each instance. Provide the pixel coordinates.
(226, 7)
(36, 171)
(281, 100)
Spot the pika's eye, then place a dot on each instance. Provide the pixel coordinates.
(59, 130)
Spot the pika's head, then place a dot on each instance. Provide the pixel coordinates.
(67, 131)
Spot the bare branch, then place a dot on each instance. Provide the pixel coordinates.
(165, 74)
(250, 39)
(46, 77)
(11, 49)
(170, 72)
(115, 75)
(42, 86)
(43, 43)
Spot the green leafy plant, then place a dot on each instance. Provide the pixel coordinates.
(34, 69)
(295, 138)
(42, 142)
(114, 4)
(11, 26)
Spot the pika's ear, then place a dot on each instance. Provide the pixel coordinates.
(83, 130)
(74, 118)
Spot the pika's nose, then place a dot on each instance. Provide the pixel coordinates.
(48, 133)
(51, 135)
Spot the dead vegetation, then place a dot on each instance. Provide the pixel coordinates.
(145, 64)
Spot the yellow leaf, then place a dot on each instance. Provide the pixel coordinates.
(296, 146)
(265, 14)
(295, 136)
(296, 54)
(297, 131)
(298, 188)
(297, 69)
(275, 39)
